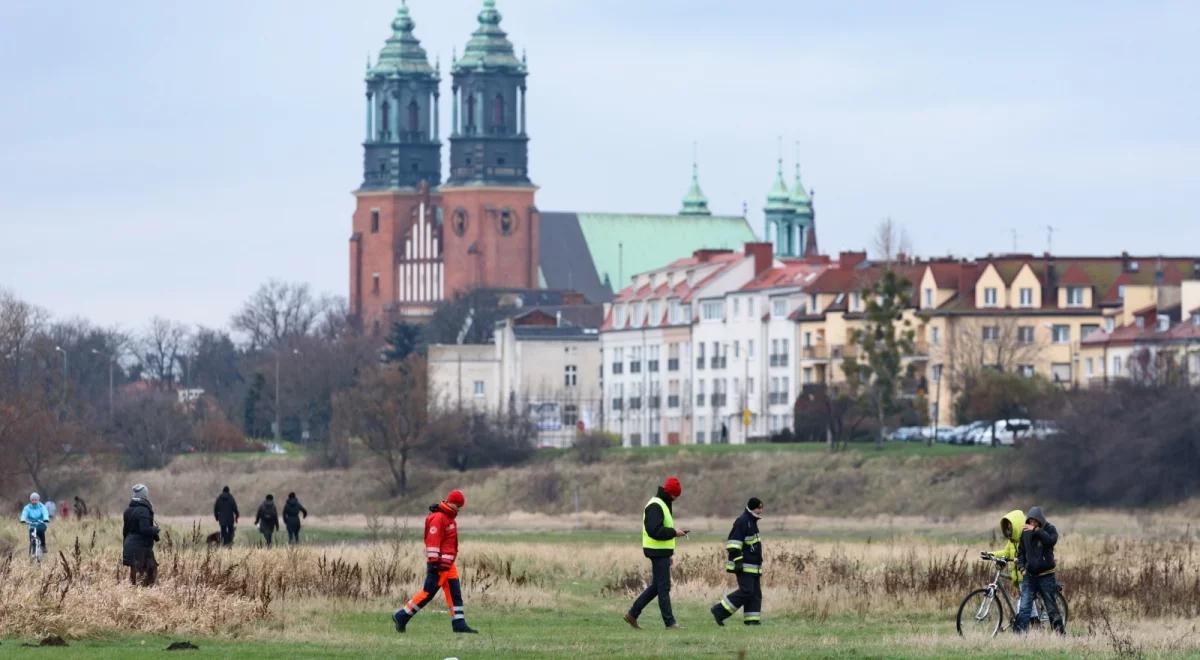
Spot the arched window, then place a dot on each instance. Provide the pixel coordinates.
(498, 113)
(470, 113)
(414, 117)
(383, 126)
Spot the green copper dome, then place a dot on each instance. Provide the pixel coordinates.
(694, 202)
(402, 53)
(800, 199)
(778, 198)
(489, 47)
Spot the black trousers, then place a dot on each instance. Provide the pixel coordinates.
(748, 597)
(267, 535)
(227, 530)
(293, 533)
(144, 570)
(660, 588)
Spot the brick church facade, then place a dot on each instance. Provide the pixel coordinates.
(418, 239)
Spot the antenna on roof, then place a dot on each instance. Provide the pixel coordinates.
(1050, 239)
(1014, 237)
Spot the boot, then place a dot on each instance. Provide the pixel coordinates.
(718, 613)
(400, 618)
(631, 620)
(460, 626)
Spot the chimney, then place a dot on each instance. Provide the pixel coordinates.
(763, 256)
(706, 255)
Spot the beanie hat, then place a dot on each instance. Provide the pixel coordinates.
(225, 489)
(34, 497)
(754, 503)
(457, 498)
(270, 497)
(673, 487)
(141, 492)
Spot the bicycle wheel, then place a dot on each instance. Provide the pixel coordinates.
(980, 615)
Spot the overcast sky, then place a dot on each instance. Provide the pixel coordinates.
(168, 157)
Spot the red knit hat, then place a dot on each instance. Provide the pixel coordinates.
(673, 487)
(457, 498)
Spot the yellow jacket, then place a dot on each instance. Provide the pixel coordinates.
(1017, 519)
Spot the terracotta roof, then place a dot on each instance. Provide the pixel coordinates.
(1075, 276)
(790, 274)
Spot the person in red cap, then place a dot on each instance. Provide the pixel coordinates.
(658, 544)
(441, 549)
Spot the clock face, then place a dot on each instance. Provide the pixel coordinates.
(459, 222)
(507, 221)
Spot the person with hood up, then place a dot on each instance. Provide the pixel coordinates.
(658, 545)
(225, 510)
(292, 510)
(36, 516)
(1010, 529)
(267, 518)
(139, 534)
(1035, 557)
(744, 549)
(441, 549)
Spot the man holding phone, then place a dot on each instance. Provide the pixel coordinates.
(658, 545)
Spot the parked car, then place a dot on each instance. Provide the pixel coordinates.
(972, 434)
(905, 434)
(1045, 429)
(1006, 432)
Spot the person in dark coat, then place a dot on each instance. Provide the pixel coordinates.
(267, 518)
(225, 510)
(1035, 557)
(744, 550)
(292, 510)
(140, 534)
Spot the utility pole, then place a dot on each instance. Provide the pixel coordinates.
(62, 350)
(111, 362)
(278, 427)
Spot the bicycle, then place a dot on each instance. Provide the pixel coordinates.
(984, 608)
(37, 549)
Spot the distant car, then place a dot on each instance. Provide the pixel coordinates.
(972, 433)
(1005, 431)
(905, 434)
(1045, 429)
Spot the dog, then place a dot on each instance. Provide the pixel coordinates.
(213, 539)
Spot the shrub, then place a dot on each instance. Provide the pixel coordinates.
(589, 447)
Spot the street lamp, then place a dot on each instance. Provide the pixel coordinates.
(278, 427)
(62, 350)
(111, 362)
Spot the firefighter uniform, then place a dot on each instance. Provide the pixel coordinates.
(744, 550)
(441, 550)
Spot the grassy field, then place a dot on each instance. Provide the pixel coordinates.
(539, 588)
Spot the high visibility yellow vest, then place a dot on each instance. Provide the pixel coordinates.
(653, 543)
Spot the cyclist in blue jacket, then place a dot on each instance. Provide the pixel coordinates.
(36, 516)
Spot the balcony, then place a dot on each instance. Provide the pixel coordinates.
(920, 348)
(672, 364)
(815, 352)
(780, 360)
(842, 351)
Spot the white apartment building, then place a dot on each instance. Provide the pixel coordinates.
(697, 348)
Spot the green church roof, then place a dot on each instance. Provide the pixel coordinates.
(623, 244)
(402, 53)
(800, 199)
(489, 47)
(694, 202)
(778, 198)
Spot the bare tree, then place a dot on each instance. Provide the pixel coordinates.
(388, 411)
(34, 439)
(20, 323)
(975, 344)
(162, 349)
(279, 312)
(890, 241)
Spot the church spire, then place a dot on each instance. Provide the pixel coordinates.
(694, 202)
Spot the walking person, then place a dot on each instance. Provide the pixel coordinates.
(267, 518)
(139, 534)
(292, 510)
(658, 545)
(225, 510)
(441, 550)
(81, 509)
(744, 548)
(1035, 556)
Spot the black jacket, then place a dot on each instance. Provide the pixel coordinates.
(743, 545)
(225, 509)
(655, 528)
(139, 531)
(291, 512)
(1035, 552)
(267, 517)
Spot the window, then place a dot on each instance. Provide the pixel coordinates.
(1196, 319)
(989, 297)
(635, 318)
(749, 386)
(673, 357)
(479, 389)
(1075, 296)
(385, 115)
(700, 394)
(1121, 292)
(1026, 297)
(1060, 372)
(935, 335)
(991, 332)
(808, 375)
(655, 313)
(1025, 370)
(1089, 367)
(635, 360)
(737, 349)
(750, 307)
(1164, 323)
(374, 221)
(507, 221)
(570, 415)
(498, 112)
(618, 396)
(414, 117)
(375, 283)
(855, 301)
(749, 348)
(928, 297)
(700, 426)
(1116, 367)
(711, 310)
(570, 375)
(737, 308)
(1025, 334)
(937, 373)
(700, 355)
(618, 363)
(1061, 334)
(1109, 324)
(779, 308)
(470, 113)
(652, 358)
(619, 316)
(1088, 329)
